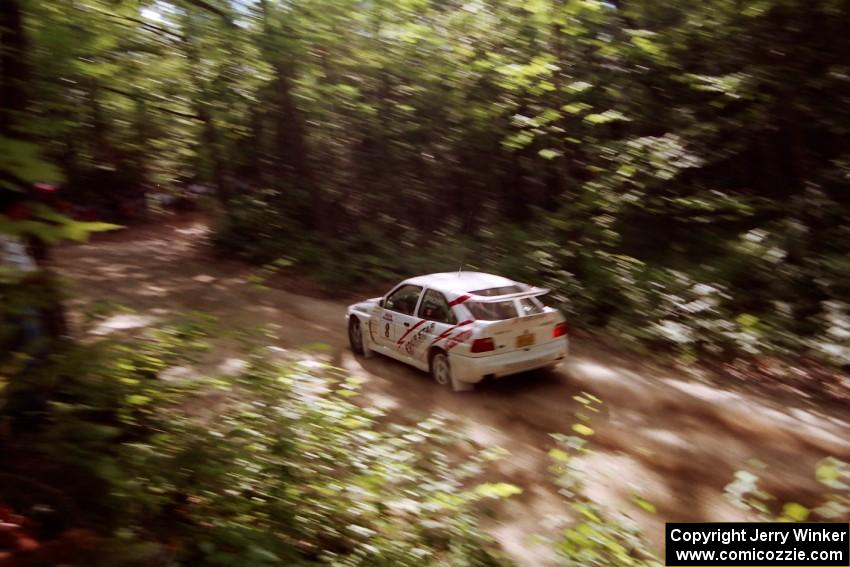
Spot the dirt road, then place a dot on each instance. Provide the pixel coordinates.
(674, 439)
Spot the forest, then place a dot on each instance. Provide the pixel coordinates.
(677, 173)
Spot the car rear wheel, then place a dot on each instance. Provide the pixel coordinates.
(441, 371)
(355, 335)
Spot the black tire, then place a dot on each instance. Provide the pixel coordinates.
(355, 335)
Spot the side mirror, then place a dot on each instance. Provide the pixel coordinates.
(381, 302)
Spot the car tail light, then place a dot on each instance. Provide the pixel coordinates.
(482, 345)
(559, 330)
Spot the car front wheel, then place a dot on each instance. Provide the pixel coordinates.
(355, 335)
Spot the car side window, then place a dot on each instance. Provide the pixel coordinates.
(435, 308)
(403, 300)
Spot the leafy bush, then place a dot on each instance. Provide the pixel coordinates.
(597, 537)
(276, 465)
(743, 297)
(833, 473)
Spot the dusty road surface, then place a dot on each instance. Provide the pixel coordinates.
(673, 438)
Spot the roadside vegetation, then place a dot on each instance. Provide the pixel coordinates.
(108, 461)
(111, 460)
(677, 174)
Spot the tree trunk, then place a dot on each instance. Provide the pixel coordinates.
(14, 69)
(210, 136)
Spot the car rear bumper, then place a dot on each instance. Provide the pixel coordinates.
(474, 369)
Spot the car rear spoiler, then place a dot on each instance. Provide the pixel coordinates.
(532, 292)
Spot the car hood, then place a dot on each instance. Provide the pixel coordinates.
(365, 305)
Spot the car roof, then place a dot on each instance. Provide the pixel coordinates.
(460, 282)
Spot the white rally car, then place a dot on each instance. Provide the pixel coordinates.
(461, 327)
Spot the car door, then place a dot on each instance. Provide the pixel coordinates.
(397, 316)
(438, 319)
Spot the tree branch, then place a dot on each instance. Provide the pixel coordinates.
(206, 6)
(155, 106)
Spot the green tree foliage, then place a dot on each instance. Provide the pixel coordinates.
(677, 173)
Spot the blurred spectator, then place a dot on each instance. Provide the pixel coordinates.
(31, 313)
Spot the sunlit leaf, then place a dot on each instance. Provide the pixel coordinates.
(644, 504)
(497, 490)
(582, 429)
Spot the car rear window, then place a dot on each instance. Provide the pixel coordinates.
(530, 306)
(504, 290)
(495, 311)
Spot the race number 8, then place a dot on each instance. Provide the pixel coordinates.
(387, 330)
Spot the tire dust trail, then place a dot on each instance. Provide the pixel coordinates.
(675, 440)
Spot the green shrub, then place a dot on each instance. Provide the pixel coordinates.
(709, 294)
(595, 537)
(832, 473)
(276, 465)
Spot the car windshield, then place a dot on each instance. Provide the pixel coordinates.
(492, 311)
